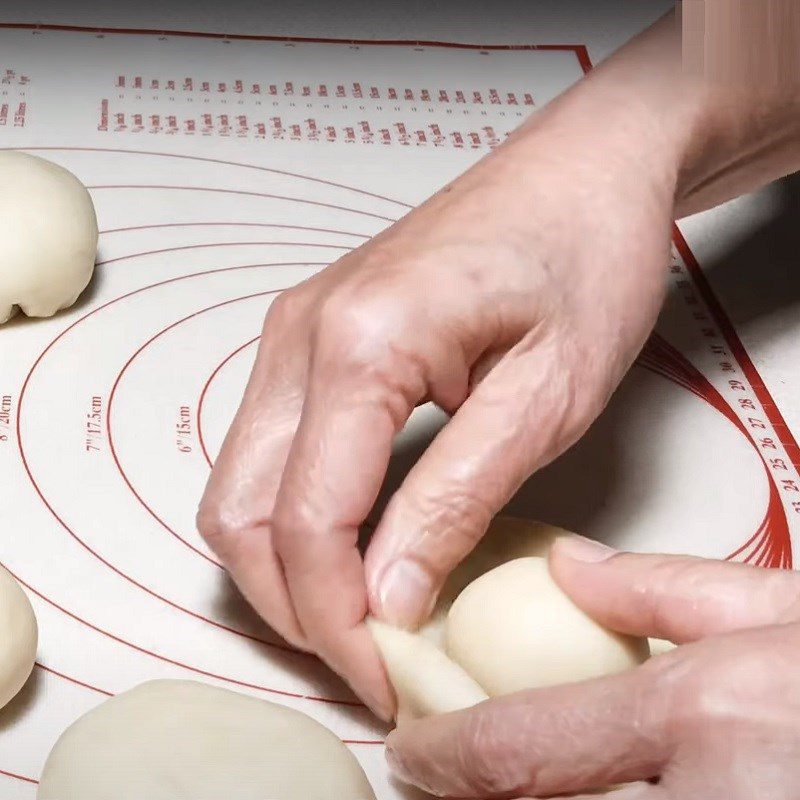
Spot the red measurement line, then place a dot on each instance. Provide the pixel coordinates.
(18, 777)
(66, 527)
(363, 741)
(73, 680)
(737, 348)
(243, 193)
(207, 245)
(771, 544)
(167, 660)
(129, 484)
(291, 39)
(205, 390)
(270, 170)
(73, 534)
(231, 225)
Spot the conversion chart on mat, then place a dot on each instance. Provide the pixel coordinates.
(223, 172)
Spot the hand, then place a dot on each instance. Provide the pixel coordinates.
(515, 299)
(717, 719)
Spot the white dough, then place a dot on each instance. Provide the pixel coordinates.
(514, 628)
(18, 637)
(501, 624)
(182, 740)
(660, 646)
(48, 236)
(424, 678)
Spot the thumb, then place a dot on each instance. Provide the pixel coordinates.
(544, 742)
(516, 420)
(679, 598)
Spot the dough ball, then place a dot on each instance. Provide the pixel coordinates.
(499, 625)
(182, 740)
(48, 236)
(19, 637)
(513, 628)
(505, 539)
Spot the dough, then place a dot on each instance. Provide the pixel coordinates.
(660, 646)
(19, 637)
(48, 236)
(513, 628)
(425, 679)
(182, 740)
(501, 624)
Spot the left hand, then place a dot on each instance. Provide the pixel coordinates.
(717, 719)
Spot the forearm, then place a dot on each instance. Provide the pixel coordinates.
(705, 141)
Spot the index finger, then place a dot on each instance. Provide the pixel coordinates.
(335, 468)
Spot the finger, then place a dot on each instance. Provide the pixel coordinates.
(359, 396)
(526, 411)
(235, 513)
(678, 598)
(542, 742)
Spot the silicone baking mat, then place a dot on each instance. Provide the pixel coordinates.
(224, 170)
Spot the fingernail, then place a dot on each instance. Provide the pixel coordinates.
(579, 548)
(405, 593)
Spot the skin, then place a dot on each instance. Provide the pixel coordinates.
(557, 243)
(717, 718)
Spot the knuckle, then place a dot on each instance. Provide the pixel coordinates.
(221, 532)
(656, 591)
(355, 321)
(455, 511)
(289, 305)
(718, 684)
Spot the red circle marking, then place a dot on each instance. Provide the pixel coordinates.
(69, 530)
(77, 682)
(770, 545)
(205, 390)
(209, 245)
(17, 777)
(125, 478)
(121, 470)
(271, 170)
(94, 553)
(168, 660)
(231, 225)
(241, 193)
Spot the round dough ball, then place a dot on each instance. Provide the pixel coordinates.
(182, 740)
(495, 648)
(19, 637)
(514, 628)
(48, 236)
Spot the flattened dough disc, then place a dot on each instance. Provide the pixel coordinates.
(183, 740)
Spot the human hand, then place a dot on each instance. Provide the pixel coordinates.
(718, 718)
(515, 299)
